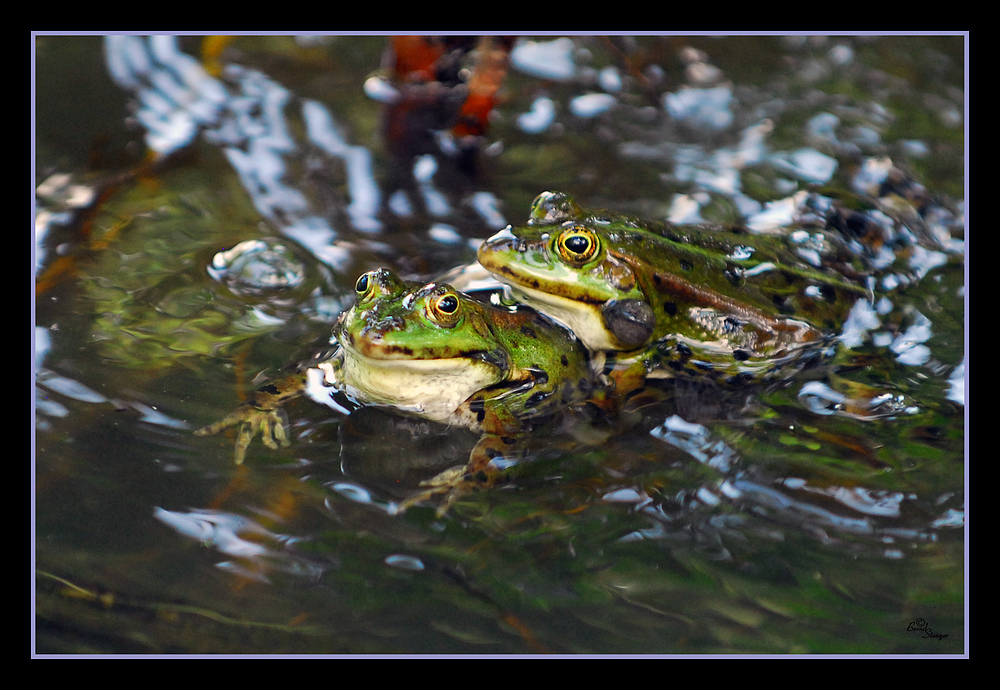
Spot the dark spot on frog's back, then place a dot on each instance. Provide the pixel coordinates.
(529, 331)
(564, 360)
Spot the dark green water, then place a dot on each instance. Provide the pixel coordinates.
(768, 528)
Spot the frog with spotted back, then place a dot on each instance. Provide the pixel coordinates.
(430, 351)
(661, 298)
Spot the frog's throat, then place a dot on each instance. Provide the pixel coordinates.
(582, 318)
(430, 388)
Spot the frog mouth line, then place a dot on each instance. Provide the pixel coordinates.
(408, 361)
(518, 281)
(575, 304)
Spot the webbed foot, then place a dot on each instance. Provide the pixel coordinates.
(270, 424)
(480, 472)
(262, 414)
(454, 483)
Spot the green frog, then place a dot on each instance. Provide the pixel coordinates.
(433, 352)
(662, 298)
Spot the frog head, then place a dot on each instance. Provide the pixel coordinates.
(422, 347)
(563, 263)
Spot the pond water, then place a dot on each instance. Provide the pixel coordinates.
(204, 207)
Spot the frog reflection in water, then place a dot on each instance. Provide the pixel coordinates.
(660, 298)
(430, 351)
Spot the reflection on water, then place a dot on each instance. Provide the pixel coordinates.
(244, 114)
(250, 117)
(793, 501)
(824, 516)
(255, 550)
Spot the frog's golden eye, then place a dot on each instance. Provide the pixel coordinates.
(364, 283)
(444, 308)
(577, 244)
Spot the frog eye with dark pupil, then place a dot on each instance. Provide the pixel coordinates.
(361, 286)
(577, 245)
(444, 309)
(447, 304)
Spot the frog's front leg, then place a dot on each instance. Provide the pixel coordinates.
(479, 473)
(621, 376)
(261, 414)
